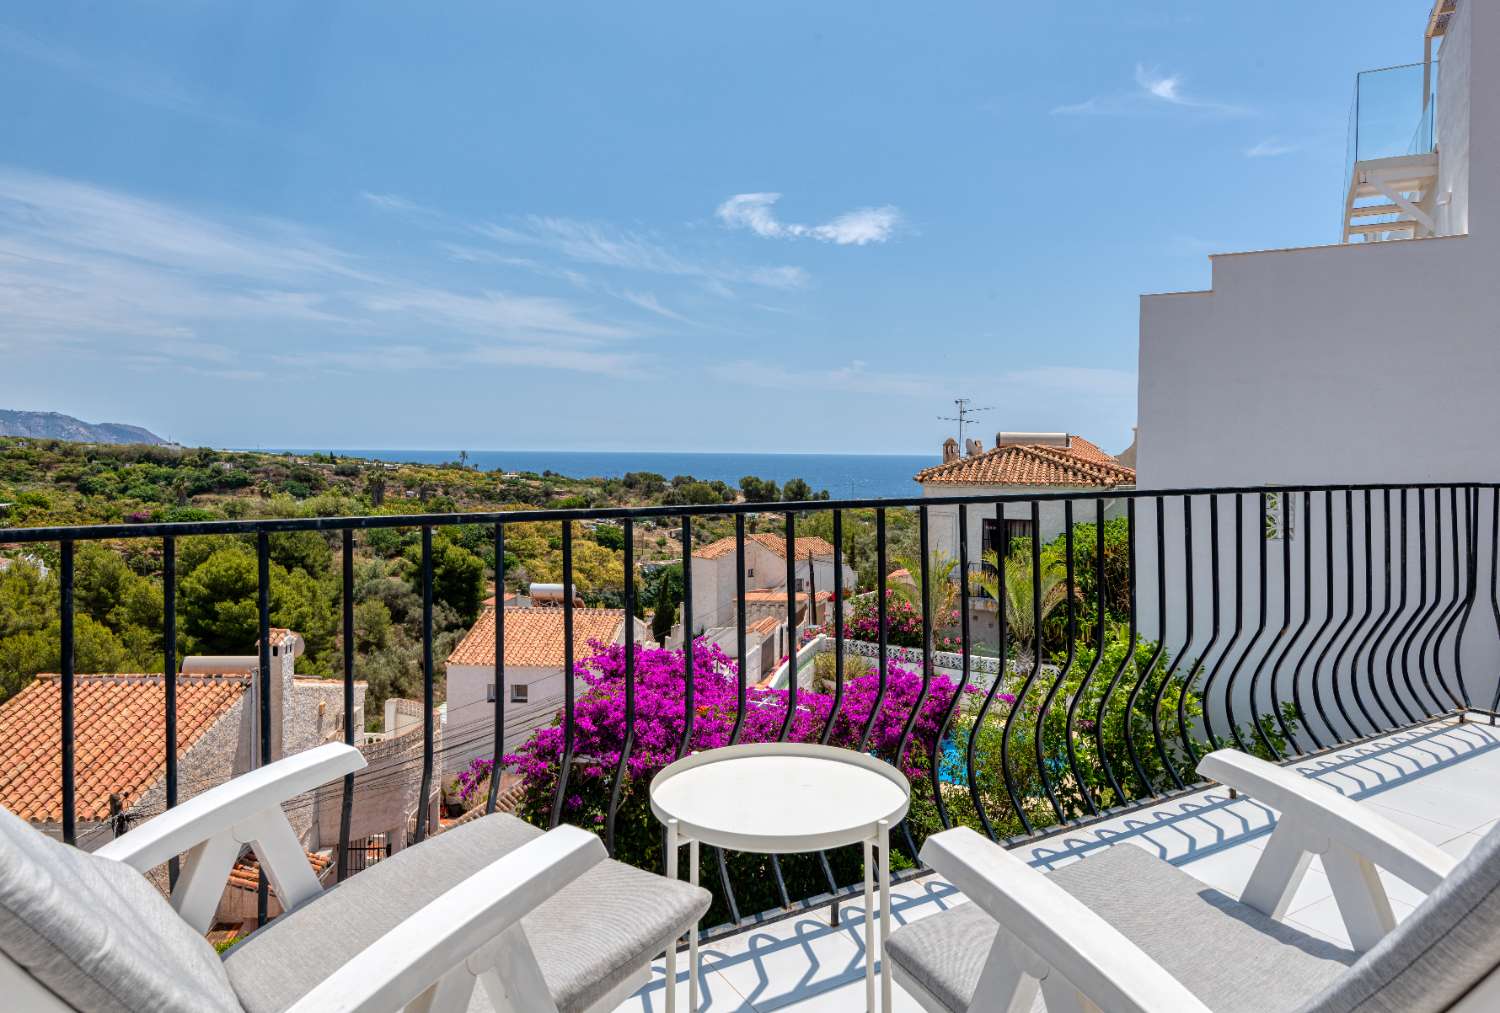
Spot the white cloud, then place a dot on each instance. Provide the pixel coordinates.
(606, 246)
(853, 228)
(1155, 91)
(1167, 88)
(158, 286)
(1270, 148)
(858, 378)
(648, 302)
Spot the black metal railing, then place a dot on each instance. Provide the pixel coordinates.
(1128, 639)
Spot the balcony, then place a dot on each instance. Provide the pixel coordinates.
(1390, 169)
(1358, 646)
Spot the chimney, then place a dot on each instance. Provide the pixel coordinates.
(975, 447)
(950, 450)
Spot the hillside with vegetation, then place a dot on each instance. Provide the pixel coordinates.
(118, 586)
(57, 426)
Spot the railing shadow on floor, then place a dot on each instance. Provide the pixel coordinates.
(1204, 824)
(831, 961)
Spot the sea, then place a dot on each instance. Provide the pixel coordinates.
(845, 476)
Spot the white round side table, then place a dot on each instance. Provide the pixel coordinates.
(781, 798)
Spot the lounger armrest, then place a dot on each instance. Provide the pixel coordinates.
(1062, 933)
(221, 808)
(1322, 814)
(466, 921)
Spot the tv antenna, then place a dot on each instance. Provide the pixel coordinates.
(962, 418)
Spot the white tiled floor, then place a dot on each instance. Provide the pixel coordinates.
(1438, 781)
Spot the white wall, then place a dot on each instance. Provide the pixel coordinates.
(1360, 363)
(714, 603)
(943, 520)
(1452, 125)
(471, 716)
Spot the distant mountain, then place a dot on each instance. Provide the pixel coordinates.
(56, 426)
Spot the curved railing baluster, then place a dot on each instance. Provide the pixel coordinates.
(1317, 692)
(965, 646)
(1187, 642)
(1213, 639)
(565, 764)
(1393, 652)
(1002, 551)
(1355, 640)
(1161, 634)
(1088, 677)
(1125, 663)
(1239, 627)
(1067, 666)
(1451, 613)
(1256, 725)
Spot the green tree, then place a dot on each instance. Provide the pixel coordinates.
(665, 614)
(610, 536)
(1018, 590)
(759, 490)
(24, 655)
(797, 490)
(457, 577)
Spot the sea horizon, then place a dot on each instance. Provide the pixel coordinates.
(844, 476)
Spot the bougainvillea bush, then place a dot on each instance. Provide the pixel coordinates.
(599, 736)
(903, 623)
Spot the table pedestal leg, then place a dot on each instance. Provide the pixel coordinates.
(885, 912)
(671, 960)
(869, 927)
(693, 933)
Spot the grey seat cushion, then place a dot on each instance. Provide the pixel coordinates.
(588, 938)
(1442, 949)
(1232, 957)
(97, 934)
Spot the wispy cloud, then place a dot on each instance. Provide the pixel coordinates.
(1270, 148)
(110, 72)
(159, 286)
(1155, 91)
(648, 302)
(859, 378)
(602, 245)
(859, 227)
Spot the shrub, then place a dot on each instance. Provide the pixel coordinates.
(903, 623)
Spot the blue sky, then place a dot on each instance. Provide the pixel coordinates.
(665, 226)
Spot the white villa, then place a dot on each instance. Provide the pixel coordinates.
(534, 660)
(714, 584)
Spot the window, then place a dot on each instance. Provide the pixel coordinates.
(489, 693)
(801, 583)
(518, 694)
(750, 572)
(1014, 528)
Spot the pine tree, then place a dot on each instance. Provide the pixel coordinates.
(666, 613)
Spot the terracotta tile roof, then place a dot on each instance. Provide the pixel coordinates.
(120, 738)
(490, 601)
(765, 624)
(776, 596)
(1082, 464)
(810, 544)
(534, 636)
(246, 872)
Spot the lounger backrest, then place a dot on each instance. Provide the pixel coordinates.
(97, 934)
(1442, 950)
